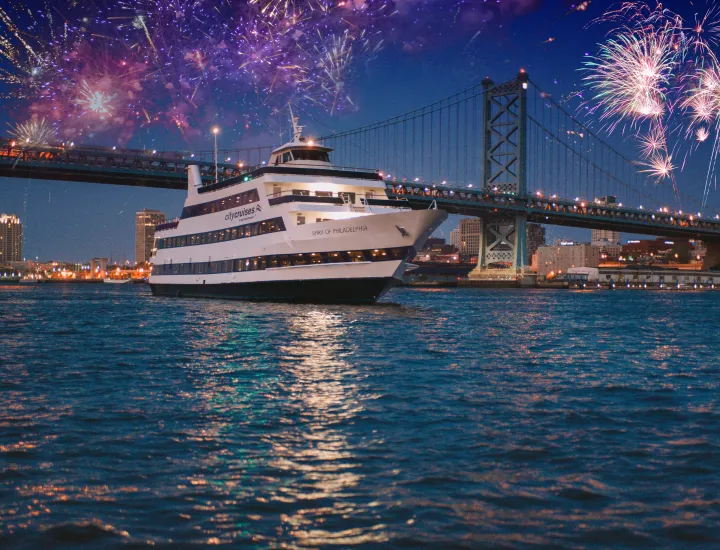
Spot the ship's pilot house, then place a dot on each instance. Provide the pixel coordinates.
(300, 151)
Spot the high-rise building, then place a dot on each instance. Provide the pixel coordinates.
(145, 222)
(10, 238)
(600, 236)
(535, 238)
(455, 238)
(561, 257)
(469, 243)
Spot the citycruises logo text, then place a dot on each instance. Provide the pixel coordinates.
(244, 213)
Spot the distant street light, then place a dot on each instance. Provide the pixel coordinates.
(215, 132)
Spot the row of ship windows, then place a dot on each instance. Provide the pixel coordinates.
(230, 234)
(260, 263)
(219, 205)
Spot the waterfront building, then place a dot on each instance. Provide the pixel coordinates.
(470, 232)
(605, 236)
(660, 250)
(455, 238)
(98, 266)
(700, 250)
(535, 238)
(145, 222)
(558, 259)
(11, 232)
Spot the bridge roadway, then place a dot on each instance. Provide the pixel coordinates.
(555, 211)
(169, 171)
(90, 164)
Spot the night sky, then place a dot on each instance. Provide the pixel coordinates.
(430, 50)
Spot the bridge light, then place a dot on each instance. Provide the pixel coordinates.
(577, 199)
(311, 143)
(114, 147)
(192, 155)
(215, 130)
(154, 152)
(444, 182)
(582, 205)
(538, 193)
(416, 179)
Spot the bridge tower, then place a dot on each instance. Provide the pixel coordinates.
(503, 238)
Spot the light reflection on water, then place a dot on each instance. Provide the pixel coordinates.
(477, 418)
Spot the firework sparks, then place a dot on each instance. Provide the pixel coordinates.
(95, 101)
(632, 74)
(653, 142)
(34, 133)
(659, 167)
(656, 72)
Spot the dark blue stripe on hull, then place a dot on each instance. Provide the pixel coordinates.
(322, 291)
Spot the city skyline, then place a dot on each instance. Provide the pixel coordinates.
(58, 215)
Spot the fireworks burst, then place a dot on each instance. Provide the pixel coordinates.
(95, 101)
(659, 167)
(656, 72)
(34, 133)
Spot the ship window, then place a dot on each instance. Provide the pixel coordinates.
(303, 192)
(300, 259)
(301, 220)
(287, 157)
(276, 191)
(323, 193)
(310, 154)
(356, 256)
(234, 233)
(316, 258)
(271, 261)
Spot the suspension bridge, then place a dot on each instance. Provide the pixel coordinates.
(507, 153)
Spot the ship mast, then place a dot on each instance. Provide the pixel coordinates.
(297, 130)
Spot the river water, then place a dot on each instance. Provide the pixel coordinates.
(438, 418)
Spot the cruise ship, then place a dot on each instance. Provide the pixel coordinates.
(296, 229)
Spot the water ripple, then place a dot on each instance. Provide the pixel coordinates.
(443, 418)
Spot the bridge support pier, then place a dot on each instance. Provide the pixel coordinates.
(502, 257)
(712, 256)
